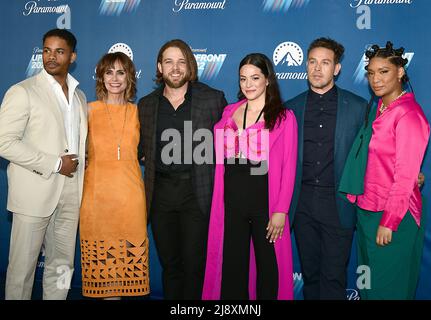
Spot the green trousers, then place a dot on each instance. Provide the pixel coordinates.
(394, 268)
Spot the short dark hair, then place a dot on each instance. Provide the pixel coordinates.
(192, 66)
(330, 44)
(64, 34)
(108, 61)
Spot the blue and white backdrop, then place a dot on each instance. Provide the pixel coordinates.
(220, 34)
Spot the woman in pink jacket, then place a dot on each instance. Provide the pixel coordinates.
(389, 229)
(249, 251)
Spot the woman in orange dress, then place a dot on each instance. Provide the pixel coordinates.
(113, 222)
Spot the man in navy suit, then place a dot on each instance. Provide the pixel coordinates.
(328, 120)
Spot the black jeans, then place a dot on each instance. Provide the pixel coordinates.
(180, 231)
(246, 218)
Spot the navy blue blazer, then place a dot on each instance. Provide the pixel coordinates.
(351, 111)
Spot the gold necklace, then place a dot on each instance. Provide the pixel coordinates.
(383, 107)
(113, 129)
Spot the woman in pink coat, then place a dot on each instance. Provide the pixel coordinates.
(249, 250)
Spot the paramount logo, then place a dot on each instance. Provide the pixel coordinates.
(357, 3)
(202, 5)
(32, 7)
(288, 54)
(352, 294)
(289, 60)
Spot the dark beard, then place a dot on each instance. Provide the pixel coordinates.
(175, 85)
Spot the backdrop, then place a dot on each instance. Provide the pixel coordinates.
(220, 33)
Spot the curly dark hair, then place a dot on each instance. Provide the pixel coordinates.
(395, 56)
(273, 110)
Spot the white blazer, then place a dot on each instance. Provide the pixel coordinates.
(32, 137)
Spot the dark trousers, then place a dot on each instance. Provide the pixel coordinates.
(323, 245)
(180, 233)
(246, 219)
(395, 267)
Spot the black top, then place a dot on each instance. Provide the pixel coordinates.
(169, 118)
(319, 137)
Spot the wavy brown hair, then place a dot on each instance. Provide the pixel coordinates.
(273, 110)
(192, 66)
(107, 62)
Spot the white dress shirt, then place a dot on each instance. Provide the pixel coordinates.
(69, 108)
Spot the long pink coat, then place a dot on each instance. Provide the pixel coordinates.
(281, 179)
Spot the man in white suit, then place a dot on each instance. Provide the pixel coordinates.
(43, 127)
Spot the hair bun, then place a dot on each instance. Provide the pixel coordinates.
(389, 46)
(386, 52)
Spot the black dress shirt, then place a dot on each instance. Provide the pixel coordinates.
(169, 118)
(319, 137)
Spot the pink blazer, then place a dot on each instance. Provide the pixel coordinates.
(396, 150)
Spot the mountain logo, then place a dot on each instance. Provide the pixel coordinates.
(288, 54)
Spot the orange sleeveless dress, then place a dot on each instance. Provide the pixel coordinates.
(113, 220)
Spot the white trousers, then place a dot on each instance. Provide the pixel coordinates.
(57, 233)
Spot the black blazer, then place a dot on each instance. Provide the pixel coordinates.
(207, 108)
(351, 111)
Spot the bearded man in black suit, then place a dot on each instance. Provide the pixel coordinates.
(179, 190)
